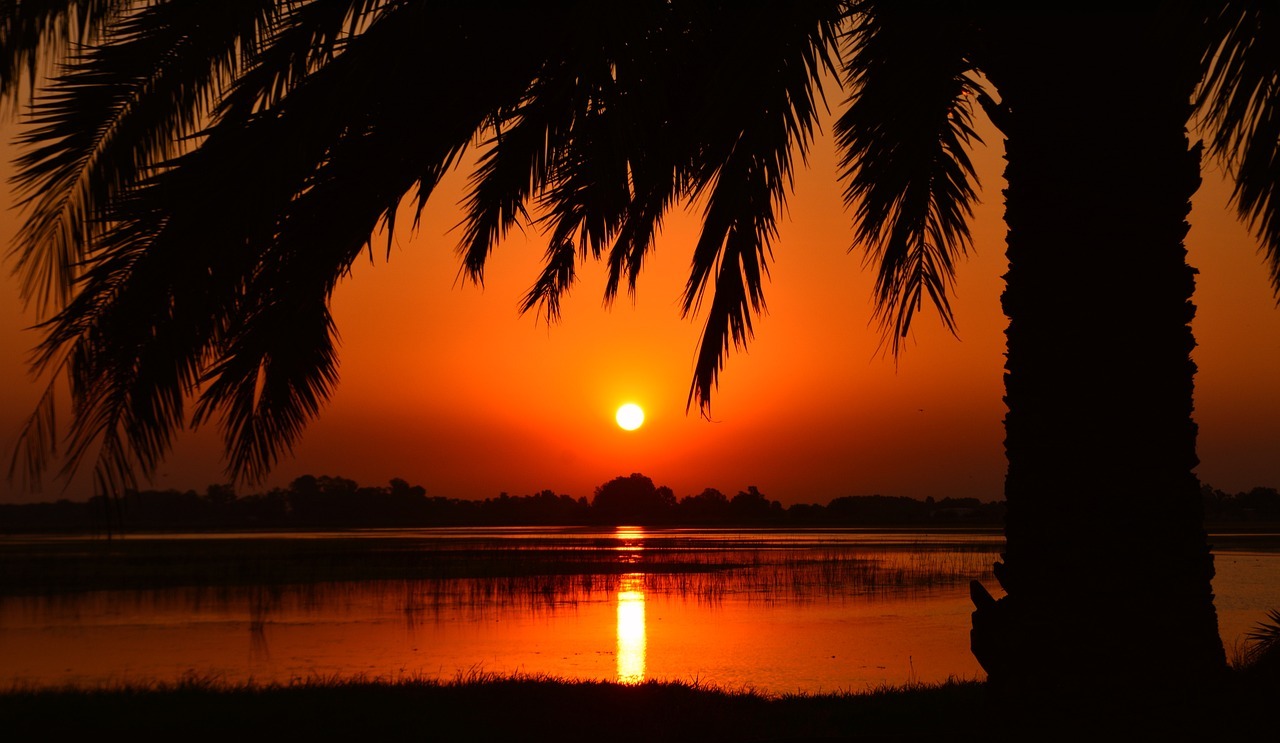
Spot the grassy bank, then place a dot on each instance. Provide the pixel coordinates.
(538, 709)
(498, 709)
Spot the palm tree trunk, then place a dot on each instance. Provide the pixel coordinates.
(1107, 570)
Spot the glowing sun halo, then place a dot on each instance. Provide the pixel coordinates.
(630, 416)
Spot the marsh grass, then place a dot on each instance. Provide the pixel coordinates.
(537, 571)
(482, 582)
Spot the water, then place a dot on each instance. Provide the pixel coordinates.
(774, 611)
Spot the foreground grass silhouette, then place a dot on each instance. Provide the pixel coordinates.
(526, 708)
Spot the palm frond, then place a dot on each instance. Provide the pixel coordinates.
(120, 110)
(40, 33)
(761, 104)
(657, 186)
(566, 145)
(737, 231)
(709, 101)
(515, 163)
(278, 367)
(286, 120)
(685, 99)
(277, 362)
(177, 298)
(904, 140)
(1262, 646)
(37, 444)
(620, 170)
(304, 38)
(585, 203)
(559, 272)
(1239, 101)
(653, 120)
(1266, 635)
(629, 160)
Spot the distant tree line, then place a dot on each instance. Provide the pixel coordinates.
(311, 502)
(1256, 505)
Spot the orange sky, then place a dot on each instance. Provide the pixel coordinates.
(445, 385)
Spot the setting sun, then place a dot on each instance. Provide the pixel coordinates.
(630, 416)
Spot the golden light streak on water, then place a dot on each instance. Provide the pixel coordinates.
(630, 543)
(631, 630)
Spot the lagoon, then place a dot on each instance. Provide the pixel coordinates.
(773, 610)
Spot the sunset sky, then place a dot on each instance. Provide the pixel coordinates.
(444, 384)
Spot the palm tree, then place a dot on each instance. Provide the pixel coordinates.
(199, 176)
(1098, 372)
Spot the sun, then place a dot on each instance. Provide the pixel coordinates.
(630, 416)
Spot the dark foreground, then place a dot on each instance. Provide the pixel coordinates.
(529, 709)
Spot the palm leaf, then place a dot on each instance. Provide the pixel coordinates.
(1240, 103)
(120, 110)
(1262, 651)
(904, 138)
(515, 162)
(623, 166)
(709, 102)
(39, 33)
(177, 296)
(304, 38)
(761, 102)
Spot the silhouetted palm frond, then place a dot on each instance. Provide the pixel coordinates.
(270, 381)
(612, 180)
(211, 272)
(41, 32)
(763, 104)
(1240, 103)
(199, 179)
(118, 112)
(1261, 653)
(678, 101)
(904, 139)
(1266, 636)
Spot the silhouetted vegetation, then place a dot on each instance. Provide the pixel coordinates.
(633, 500)
(1259, 505)
(336, 502)
(532, 709)
(311, 502)
(535, 708)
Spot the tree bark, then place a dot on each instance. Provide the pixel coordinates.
(1107, 568)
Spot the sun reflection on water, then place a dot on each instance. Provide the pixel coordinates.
(631, 633)
(630, 543)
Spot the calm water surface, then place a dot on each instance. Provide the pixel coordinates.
(775, 611)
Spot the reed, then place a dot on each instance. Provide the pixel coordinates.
(510, 581)
(757, 564)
